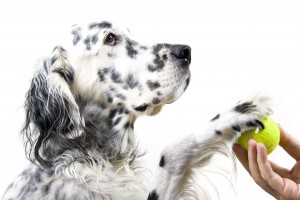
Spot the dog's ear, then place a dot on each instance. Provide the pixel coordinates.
(52, 115)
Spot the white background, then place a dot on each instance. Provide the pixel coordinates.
(238, 47)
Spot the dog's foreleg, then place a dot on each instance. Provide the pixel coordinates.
(194, 152)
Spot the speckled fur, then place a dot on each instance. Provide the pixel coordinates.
(80, 113)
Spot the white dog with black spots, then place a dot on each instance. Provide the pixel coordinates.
(80, 113)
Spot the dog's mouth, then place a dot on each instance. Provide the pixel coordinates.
(171, 98)
(141, 108)
(179, 91)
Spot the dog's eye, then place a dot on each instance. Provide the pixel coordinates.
(110, 39)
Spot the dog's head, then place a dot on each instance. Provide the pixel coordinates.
(96, 85)
(111, 66)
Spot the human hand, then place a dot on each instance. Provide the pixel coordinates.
(280, 182)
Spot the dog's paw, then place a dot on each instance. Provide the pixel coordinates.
(244, 116)
(259, 105)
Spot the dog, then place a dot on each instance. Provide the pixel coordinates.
(80, 113)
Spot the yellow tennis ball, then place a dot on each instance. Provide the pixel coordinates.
(269, 136)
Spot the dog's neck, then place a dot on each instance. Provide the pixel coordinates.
(108, 128)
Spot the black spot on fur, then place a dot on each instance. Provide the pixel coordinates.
(162, 161)
(152, 68)
(94, 39)
(76, 35)
(156, 100)
(131, 81)
(218, 132)
(50, 173)
(102, 73)
(153, 195)
(143, 47)
(121, 96)
(251, 124)
(153, 85)
(244, 107)
(236, 128)
(101, 25)
(37, 177)
(117, 121)
(159, 63)
(127, 124)
(115, 76)
(216, 117)
(45, 189)
(130, 47)
(157, 48)
(87, 43)
(113, 113)
(165, 57)
(101, 77)
(30, 187)
(25, 172)
(110, 55)
(109, 98)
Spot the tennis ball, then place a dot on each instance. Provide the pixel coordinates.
(269, 136)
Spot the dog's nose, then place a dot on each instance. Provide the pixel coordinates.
(182, 53)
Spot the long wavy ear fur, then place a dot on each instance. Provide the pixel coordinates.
(52, 116)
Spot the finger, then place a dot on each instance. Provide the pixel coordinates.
(282, 187)
(275, 181)
(242, 155)
(254, 168)
(253, 165)
(243, 158)
(290, 144)
(295, 173)
(281, 171)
